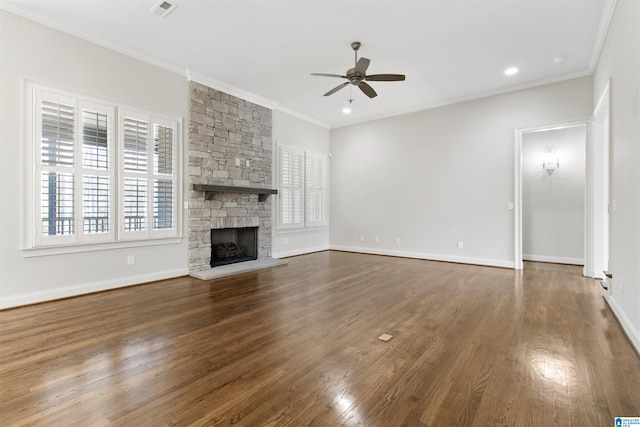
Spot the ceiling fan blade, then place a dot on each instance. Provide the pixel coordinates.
(385, 77)
(362, 65)
(328, 75)
(368, 90)
(335, 89)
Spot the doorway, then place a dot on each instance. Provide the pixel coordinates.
(557, 188)
(553, 195)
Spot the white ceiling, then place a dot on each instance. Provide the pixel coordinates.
(265, 50)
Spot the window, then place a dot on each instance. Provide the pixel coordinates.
(314, 188)
(302, 188)
(100, 179)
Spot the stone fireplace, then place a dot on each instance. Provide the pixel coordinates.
(229, 146)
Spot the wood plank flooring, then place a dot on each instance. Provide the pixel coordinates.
(297, 345)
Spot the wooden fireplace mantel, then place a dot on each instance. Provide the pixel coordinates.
(209, 190)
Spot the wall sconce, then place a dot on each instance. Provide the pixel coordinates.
(550, 161)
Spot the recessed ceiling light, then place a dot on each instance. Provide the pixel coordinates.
(511, 71)
(558, 59)
(347, 108)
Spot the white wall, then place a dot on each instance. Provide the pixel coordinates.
(32, 51)
(620, 61)
(295, 132)
(553, 210)
(441, 176)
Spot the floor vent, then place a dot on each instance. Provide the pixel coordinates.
(162, 8)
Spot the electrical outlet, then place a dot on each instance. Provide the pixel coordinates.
(377, 239)
(286, 240)
(247, 163)
(237, 162)
(397, 240)
(362, 238)
(131, 259)
(460, 244)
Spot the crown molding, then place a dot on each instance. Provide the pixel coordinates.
(303, 117)
(603, 29)
(108, 44)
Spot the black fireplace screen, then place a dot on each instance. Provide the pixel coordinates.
(231, 245)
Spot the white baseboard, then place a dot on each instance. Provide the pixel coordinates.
(553, 259)
(71, 291)
(295, 252)
(629, 329)
(426, 256)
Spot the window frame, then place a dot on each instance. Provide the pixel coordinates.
(306, 156)
(35, 242)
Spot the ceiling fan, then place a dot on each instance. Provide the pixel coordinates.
(357, 76)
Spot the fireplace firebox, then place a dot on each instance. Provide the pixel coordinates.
(232, 245)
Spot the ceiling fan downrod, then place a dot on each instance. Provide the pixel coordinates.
(355, 46)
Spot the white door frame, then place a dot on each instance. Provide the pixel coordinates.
(519, 132)
(601, 137)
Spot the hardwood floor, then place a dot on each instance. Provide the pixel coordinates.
(297, 345)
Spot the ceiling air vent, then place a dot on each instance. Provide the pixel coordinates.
(162, 8)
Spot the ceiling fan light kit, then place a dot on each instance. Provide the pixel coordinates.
(357, 76)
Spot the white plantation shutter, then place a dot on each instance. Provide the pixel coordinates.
(97, 170)
(135, 144)
(315, 195)
(74, 168)
(86, 186)
(58, 132)
(291, 187)
(135, 152)
(301, 194)
(164, 178)
(149, 182)
(57, 119)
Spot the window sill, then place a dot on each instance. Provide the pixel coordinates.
(93, 247)
(307, 229)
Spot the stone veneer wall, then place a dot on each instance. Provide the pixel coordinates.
(223, 128)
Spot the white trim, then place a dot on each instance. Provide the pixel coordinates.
(91, 38)
(599, 173)
(630, 331)
(589, 249)
(75, 290)
(296, 252)
(603, 29)
(603, 95)
(553, 259)
(517, 199)
(72, 249)
(302, 117)
(426, 256)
